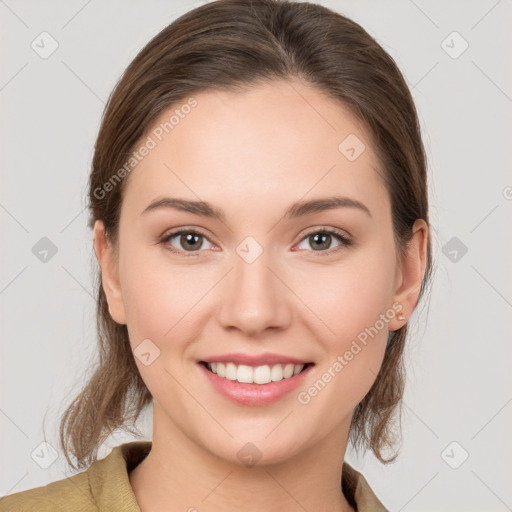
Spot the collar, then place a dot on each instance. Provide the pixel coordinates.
(110, 485)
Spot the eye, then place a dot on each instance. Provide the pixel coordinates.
(189, 240)
(321, 240)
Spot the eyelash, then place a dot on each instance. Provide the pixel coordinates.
(345, 242)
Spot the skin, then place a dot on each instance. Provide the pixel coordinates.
(253, 154)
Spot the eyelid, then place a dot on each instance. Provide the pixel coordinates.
(345, 239)
(177, 231)
(326, 229)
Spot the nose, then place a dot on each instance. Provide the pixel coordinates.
(254, 298)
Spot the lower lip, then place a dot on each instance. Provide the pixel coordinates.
(254, 394)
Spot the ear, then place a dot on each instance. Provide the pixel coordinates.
(109, 273)
(410, 275)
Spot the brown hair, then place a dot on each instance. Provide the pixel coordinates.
(231, 45)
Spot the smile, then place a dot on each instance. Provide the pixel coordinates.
(254, 385)
(263, 374)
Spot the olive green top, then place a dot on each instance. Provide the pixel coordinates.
(105, 487)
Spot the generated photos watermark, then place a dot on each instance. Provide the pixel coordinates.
(305, 397)
(151, 142)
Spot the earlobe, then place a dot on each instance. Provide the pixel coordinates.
(109, 273)
(411, 273)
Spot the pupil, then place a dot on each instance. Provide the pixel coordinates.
(319, 239)
(322, 238)
(188, 239)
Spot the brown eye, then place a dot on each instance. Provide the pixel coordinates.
(322, 241)
(185, 241)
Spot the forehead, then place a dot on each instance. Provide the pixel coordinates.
(277, 142)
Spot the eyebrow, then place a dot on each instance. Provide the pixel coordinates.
(299, 209)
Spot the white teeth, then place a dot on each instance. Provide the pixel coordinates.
(255, 375)
(298, 369)
(288, 371)
(231, 371)
(262, 374)
(276, 373)
(244, 373)
(220, 369)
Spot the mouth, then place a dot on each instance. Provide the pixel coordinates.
(262, 374)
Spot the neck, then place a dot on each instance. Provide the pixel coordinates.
(181, 474)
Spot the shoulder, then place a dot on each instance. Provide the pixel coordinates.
(104, 485)
(358, 491)
(72, 493)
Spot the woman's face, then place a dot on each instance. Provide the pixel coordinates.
(263, 278)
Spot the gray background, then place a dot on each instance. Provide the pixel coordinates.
(459, 353)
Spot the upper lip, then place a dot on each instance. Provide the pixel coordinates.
(254, 360)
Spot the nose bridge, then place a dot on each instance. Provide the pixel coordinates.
(254, 299)
(251, 262)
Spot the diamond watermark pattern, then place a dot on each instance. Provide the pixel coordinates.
(454, 45)
(454, 455)
(146, 352)
(351, 147)
(44, 455)
(249, 249)
(249, 454)
(44, 250)
(44, 45)
(454, 249)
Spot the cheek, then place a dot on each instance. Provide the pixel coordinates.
(162, 298)
(353, 303)
(351, 297)
(159, 297)
(162, 305)
(353, 333)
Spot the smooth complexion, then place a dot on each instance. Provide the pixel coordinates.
(252, 155)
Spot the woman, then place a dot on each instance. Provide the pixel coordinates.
(259, 205)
